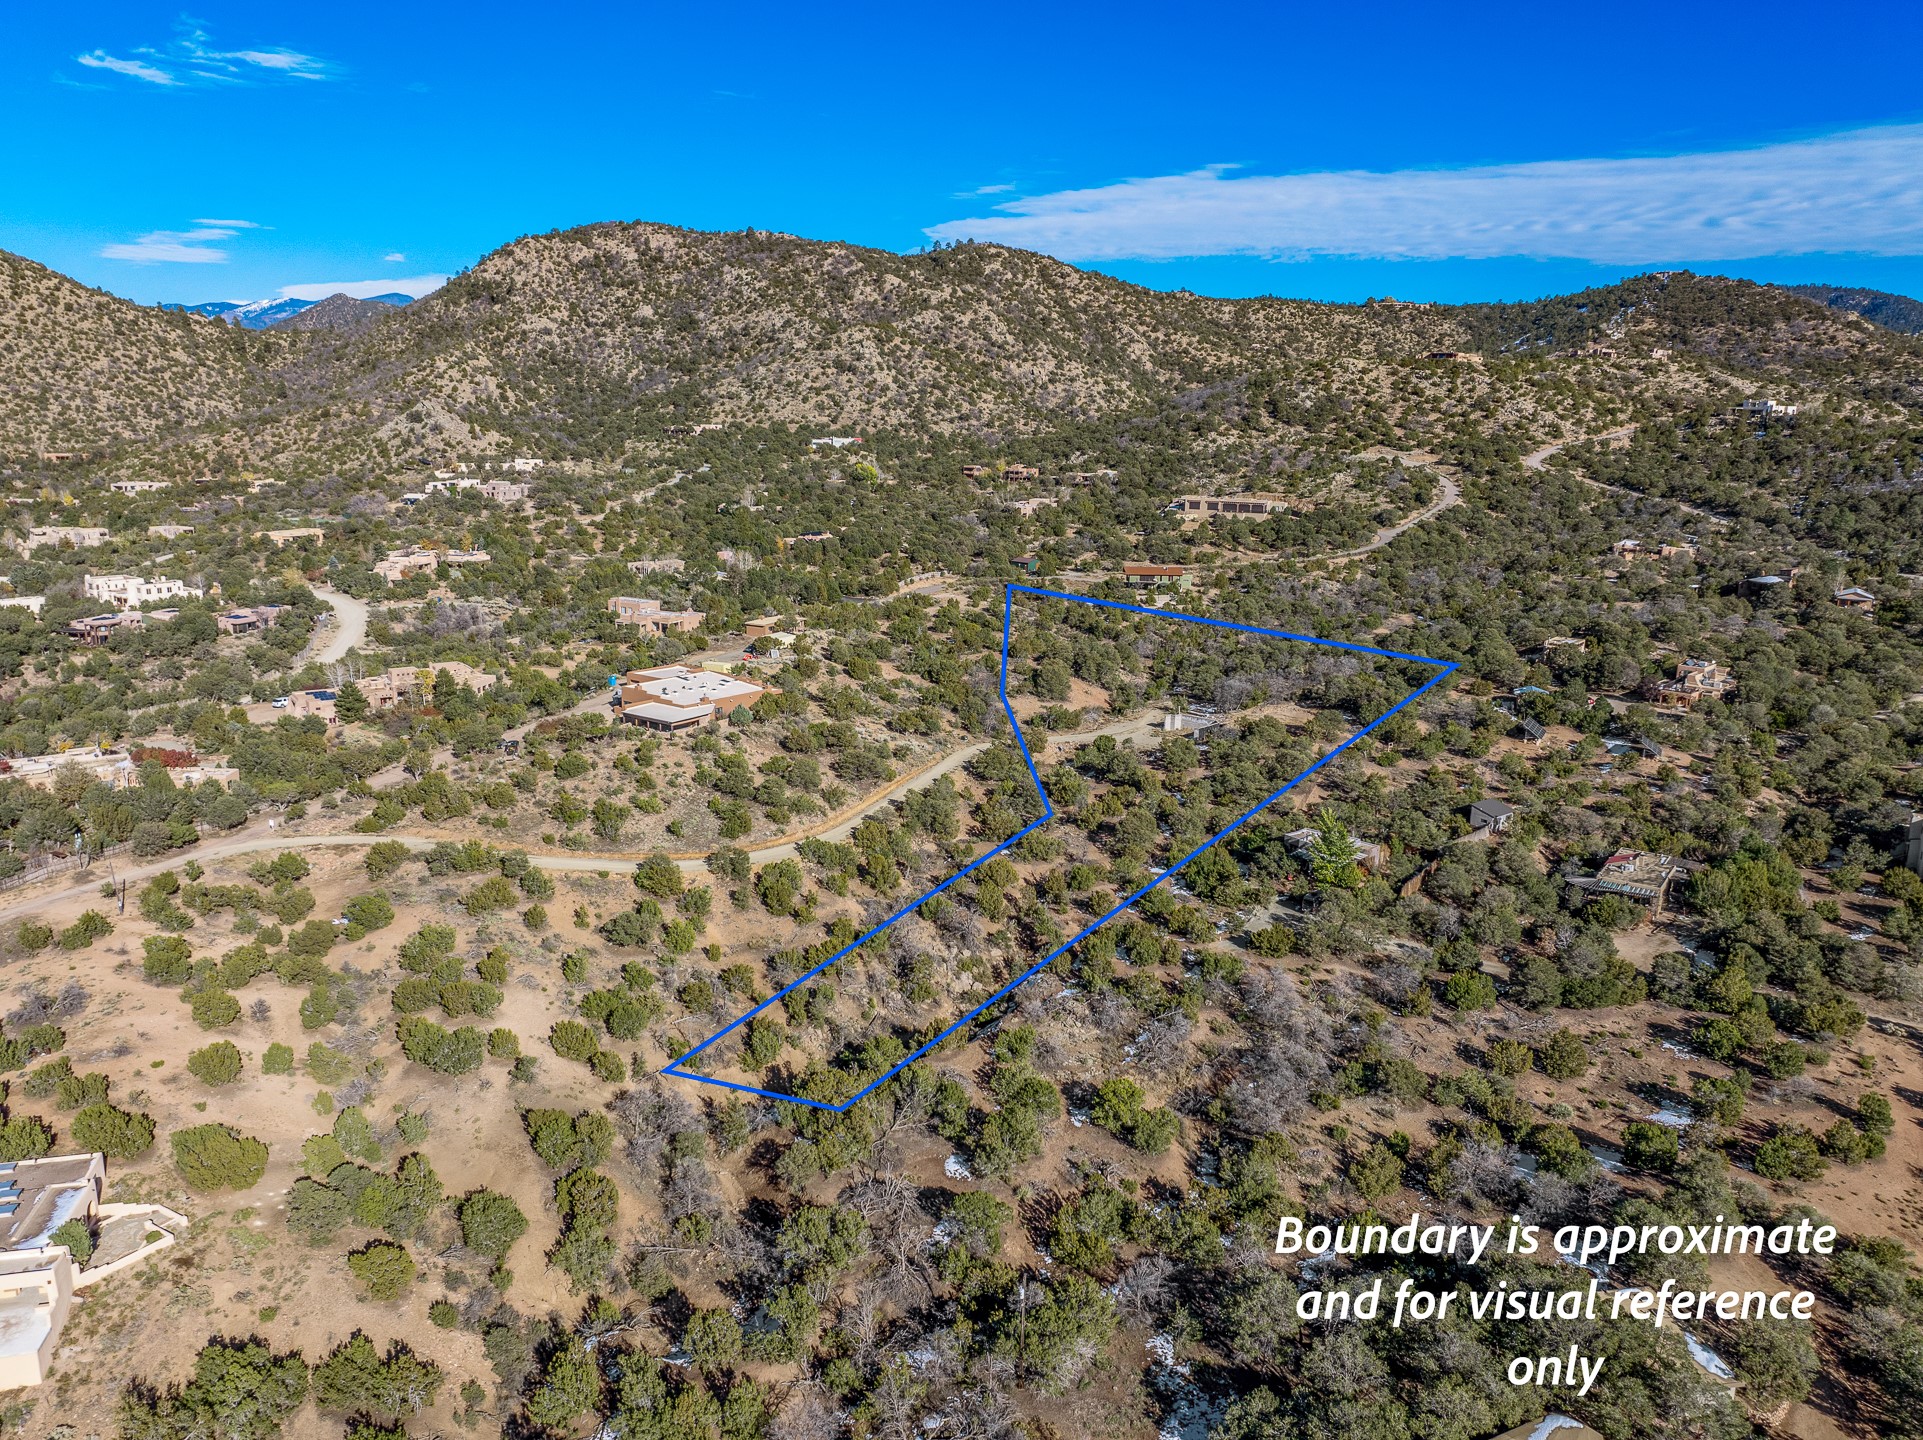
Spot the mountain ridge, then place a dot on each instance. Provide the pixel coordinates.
(1895, 312)
(590, 340)
(265, 314)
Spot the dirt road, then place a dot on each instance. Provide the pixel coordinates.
(1448, 496)
(349, 629)
(258, 838)
(1539, 460)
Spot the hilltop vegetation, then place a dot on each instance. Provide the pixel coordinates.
(387, 1012)
(592, 342)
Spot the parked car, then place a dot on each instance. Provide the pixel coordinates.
(280, 702)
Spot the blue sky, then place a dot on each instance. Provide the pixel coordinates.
(1333, 152)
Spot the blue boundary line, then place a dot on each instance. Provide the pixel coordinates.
(1445, 669)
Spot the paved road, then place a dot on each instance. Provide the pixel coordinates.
(349, 631)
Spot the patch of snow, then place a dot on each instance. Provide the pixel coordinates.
(1683, 1050)
(1550, 1424)
(1673, 1116)
(1711, 1362)
(1607, 1156)
(956, 1168)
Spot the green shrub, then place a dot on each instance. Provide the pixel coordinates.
(218, 1157)
(216, 1064)
(213, 1009)
(1563, 1056)
(1272, 941)
(365, 913)
(328, 1066)
(358, 1379)
(279, 1060)
(572, 1040)
(383, 858)
(1792, 1153)
(569, 1143)
(320, 1007)
(495, 893)
(1510, 1057)
(385, 1269)
(78, 1239)
(271, 1386)
(117, 1134)
(25, 1137)
(448, 1052)
(1469, 990)
(169, 960)
(312, 940)
(490, 1223)
(1376, 1173)
(1648, 1145)
(91, 926)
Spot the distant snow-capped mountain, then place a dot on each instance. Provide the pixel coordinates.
(259, 314)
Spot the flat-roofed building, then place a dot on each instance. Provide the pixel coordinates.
(130, 592)
(250, 620)
(648, 614)
(405, 682)
(666, 719)
(1253, 506)
(708, 692)
(283, 538)
(78, 537)
(98, 629)
(1640, 876)
(109, 767)
(406, 563)
(38, 1277)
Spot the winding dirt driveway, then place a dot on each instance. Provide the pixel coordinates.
(1539, 460)
(1448, 496)
(350, 629)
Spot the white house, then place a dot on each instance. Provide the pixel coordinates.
(129, 592)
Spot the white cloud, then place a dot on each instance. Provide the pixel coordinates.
(174, 247)
(1856, 191)
(981, 190)
(192, 52)
(415, 285)
(395, 259)
(138, 69)
(233, 224)
(287, 62)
